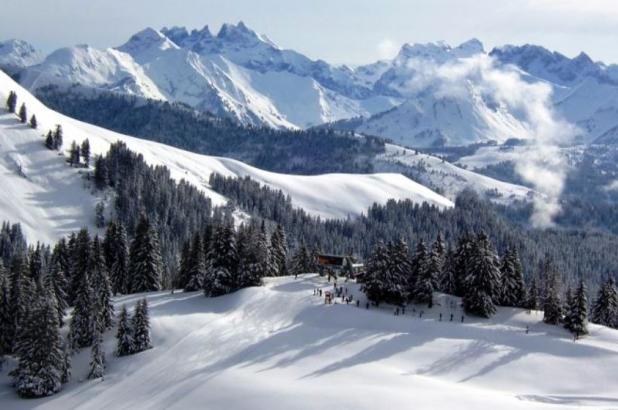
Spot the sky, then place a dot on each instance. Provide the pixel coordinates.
(338, 31)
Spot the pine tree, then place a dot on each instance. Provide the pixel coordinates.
(19, 296)
(141, 327)
(33, 122)
(66, 363)
(101, 173)
(124, 335)
(425, 279)
(182, 277)
(80, 248)
(196, 265)
(58, 137)
(252, 260)
(567, 308)
(382, 284)
(56, 283)
(116, 253)
(83, 318)
(23, 114)
(41, 362)
(11, 102)
(578, 321)
(74, 154)
(463, 261)
(49, 140)
(97, 355)
(513, 291)
(483, 282)
(85, 152)
(418, 263)
(301, 261)
(221, 272)
(552, 306)
(279, 251)
(448, 281)
(145, 264)
(101, 286)
(6, 321)
(605, 309)
(437, 256)
(532, 297)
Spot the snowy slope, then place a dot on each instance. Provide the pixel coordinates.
(329, 196)
(280, 347)
(449, 178)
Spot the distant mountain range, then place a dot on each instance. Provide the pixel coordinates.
(428, 95)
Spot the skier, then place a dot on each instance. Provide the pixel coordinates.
(440, 317)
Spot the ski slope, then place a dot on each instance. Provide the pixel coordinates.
(450, 179)
(52, 191)
(280, 347)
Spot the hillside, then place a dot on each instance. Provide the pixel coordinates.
(329, 196)
(243, 350)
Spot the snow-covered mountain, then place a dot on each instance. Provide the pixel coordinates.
(279, 347)
(15, 55)
(429, 94)
(50, 200)
(236, 73)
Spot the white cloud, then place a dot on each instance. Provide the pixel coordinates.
(541, 162)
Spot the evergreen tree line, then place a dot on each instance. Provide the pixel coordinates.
(11, 106)
(312, 151)
(576, 254)
(133, 333)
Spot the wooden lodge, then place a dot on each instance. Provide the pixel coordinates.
(340, 265)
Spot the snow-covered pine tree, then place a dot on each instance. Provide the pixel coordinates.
(182, 274)
(85, 152)
(33, 122)
(124, 334)
(19, 295)
(97, 354)
(301, 260)
(567, 308)
(66, 362)
(425, 275)
(578, 322)
(58, 137)
(101, 286)
(279, 251)
(532, 296)
(145, 263)
(116, 252)
(101, 173)
(418, 263)
(381, 283)
(6, 321)
(49, 140)
(56, 283)
(513, 290)
(81, 260)
(437, 256)
(253, 257)
(83, 317)
(448, 283)
(141, 327)
(41, 362)
(605, 309)
(196, 268)
(23, 114)
(483, 282)
(463, 261)
(11, 102)
(74, 154)
(222, 266)
(35, 263)
(552, 305)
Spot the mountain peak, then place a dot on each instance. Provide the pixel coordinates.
(469, 48)
(16, 54)
(147, 41)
